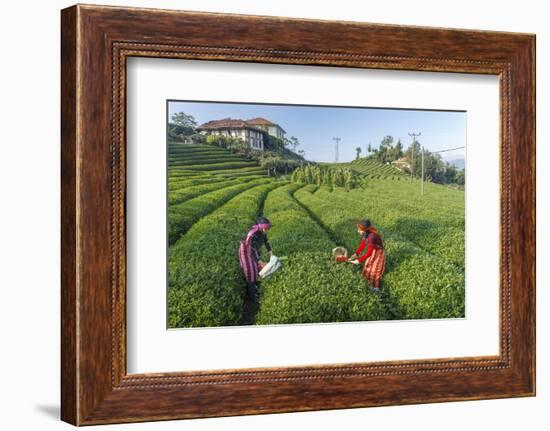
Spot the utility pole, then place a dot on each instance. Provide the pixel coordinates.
(337, 141)
(413, 135)
(422, 181)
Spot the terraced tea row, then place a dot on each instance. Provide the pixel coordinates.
(215, 196)
(417, 284)
(438, 238)
(375, 169)
(213, 166)
(219, 173)
(204, 279)
(188, 191)
(186, 161)
(182, 216)
(310, 287)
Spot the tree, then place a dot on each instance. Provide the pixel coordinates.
(385, 152)
(270, 162)
(357, 153)
(182, 125)
(414, 157)
(292, 142)
(397, 150)
(450, 173)
(184, 120)
(273, 143)
(460, 177)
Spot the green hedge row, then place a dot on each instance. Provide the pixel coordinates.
(192, 147)
(184, 193)
(182, 216)
(176, 184)
(417, 284)
(310, 287)
(416, 225)
(196, 160)
(215, 166)
(374, 168)
(175, 174)
(205, 284)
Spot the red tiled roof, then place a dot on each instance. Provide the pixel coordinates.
(233, 123)
(259, 121)
(227, 123)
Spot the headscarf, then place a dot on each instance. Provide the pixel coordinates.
(261, 223)
(366, 227)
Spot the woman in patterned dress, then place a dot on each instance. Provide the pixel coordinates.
(249, 255)
(374, 257)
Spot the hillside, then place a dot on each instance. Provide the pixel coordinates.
(215, 196)
(372, 169)
(375, 169)
(200, 177)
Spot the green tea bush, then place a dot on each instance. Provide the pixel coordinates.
(326, 175)
(214, 196)
(415, 280)
(190, 161)
(217, 166)
(375, 168)
(421, 223)
(182, 216)
(205, 284)
(185, 192)
(310, 287)
(177, 175)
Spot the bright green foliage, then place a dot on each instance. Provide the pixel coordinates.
(310, 287)
(200, 179)
(182, 216)
(215, 166)
(326, 175)
(232, 196)
(375, 169)
(205, 284)
(176, 176)
(423, 220)
(183, 191)
(417, 284)
(215, 196)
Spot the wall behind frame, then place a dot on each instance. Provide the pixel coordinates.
(29, 225)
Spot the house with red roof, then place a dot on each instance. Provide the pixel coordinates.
(252, 131)
(269, 126)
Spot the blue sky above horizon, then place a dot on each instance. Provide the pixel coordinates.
(315, 126)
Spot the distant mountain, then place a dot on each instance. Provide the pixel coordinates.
(459, 163)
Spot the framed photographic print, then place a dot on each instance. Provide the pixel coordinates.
(325, 214)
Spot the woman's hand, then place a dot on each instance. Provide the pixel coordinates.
(355, 261)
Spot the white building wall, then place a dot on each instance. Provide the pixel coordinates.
(276, 131)
(254, 138)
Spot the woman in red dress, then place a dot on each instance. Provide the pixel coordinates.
(374, 257)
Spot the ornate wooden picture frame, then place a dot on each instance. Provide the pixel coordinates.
(96, 41)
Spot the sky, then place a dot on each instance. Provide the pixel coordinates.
(316, 126)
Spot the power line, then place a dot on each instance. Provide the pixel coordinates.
(435, 152)
(449, 149)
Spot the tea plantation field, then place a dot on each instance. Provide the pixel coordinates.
(373, 169)
(214, 197)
